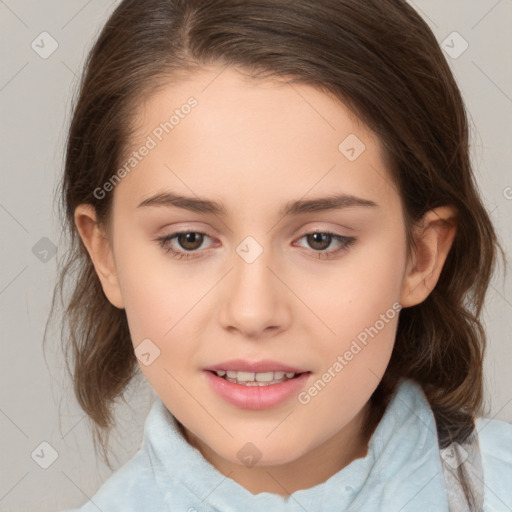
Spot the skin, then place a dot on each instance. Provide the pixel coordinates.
(253, 146)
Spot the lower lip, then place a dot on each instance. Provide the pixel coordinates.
(256, 397)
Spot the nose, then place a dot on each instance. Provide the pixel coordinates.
(255, 302)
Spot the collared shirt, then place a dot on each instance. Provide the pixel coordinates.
(402, 471)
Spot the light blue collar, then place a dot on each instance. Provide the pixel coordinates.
(402, 470)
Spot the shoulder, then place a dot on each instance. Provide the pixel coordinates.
(495, 440)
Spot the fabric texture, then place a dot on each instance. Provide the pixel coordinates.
(466, 455)
(403, 471)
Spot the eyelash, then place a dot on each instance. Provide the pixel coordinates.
(345, 241)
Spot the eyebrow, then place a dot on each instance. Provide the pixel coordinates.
(197, 204)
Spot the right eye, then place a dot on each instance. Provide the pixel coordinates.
(190, 241)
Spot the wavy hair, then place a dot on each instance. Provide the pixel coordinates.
(379, 58)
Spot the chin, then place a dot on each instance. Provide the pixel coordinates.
(263, 454)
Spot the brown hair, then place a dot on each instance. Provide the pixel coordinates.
(376, 56)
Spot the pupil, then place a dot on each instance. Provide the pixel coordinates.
(317, 239)
(190, 238)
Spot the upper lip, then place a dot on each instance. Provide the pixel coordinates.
(263, 366)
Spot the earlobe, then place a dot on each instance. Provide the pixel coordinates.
(100, 251)
(434, 237)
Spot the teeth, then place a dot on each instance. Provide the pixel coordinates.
(255, 379)
(245, 376)
(265, 377)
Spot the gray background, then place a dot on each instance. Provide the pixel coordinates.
(36, 401)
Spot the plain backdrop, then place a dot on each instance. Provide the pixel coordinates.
(36, 401)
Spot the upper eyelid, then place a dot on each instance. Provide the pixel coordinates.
(315, 229)
(303, 233)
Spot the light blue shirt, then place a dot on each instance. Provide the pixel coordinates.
(402, 471)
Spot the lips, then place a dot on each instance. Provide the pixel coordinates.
(257, 397)
(255, 385)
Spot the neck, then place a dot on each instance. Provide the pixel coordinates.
(310, 469)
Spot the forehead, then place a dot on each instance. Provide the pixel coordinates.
(219, 131)
(229, 98)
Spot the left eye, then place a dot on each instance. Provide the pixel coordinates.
(320, 240)
(191, 241)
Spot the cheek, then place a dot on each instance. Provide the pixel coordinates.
(158, 299)
(156, 293)
(367, 283)
(362, 313)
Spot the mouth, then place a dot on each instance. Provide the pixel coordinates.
(256, 390)
(256, 378)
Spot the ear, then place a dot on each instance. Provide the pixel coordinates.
(434, 237)
(100, 250)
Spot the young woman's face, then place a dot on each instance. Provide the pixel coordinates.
(252, 288)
